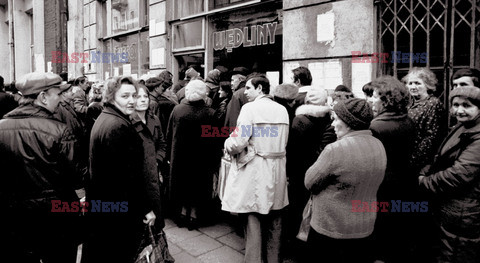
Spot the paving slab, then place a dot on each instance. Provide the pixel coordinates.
(174, 249)
(169, 224)
(216, 230)
(184, 257)
(198, 245)
(222, 255)
(176, 235)
(234, 241)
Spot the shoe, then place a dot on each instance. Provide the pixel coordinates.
(192, 224)
(181, 221)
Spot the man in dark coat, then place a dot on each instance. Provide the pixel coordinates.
(7, 101)
(161, 105)
(191, 154)
(39, 153)
(239, 75)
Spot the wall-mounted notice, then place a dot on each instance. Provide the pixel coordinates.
(326, 27)
(116, 71)
(127, 69)
(287, 71)
(274, 78)
(361, 75)
(158, 58)
(326, 75)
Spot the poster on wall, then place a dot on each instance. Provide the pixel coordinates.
(158, 58)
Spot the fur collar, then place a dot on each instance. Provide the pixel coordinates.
(312, 110)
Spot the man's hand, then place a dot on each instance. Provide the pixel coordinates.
(150, 218)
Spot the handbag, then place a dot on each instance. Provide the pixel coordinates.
(305, 224)
(225, 165)
(153, 248)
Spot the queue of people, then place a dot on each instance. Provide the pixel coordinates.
(151, 148)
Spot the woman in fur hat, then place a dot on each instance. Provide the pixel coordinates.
(454, 181)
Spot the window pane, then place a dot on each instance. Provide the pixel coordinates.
(224, 3)
(124, 15)
(185, 8)
(121, 45)
(187, 35)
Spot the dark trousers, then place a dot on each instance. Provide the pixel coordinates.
(326, 249)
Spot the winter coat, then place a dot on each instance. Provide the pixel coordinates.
(40, 153)
(162, 106)
(221, 111)
(191, 155)
(397, 133)
(429, 117)
(116, 175)
(154, 147)
(7, 103)
(234, 106)
(311, 131)
(257, 180)
(349, 169)
(454, 180)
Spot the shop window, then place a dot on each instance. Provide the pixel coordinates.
(184, 8)
(188, 35)
(224, 3)
(124, 15)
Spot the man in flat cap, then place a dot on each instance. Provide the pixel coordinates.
(39, 176)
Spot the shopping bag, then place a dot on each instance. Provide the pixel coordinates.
(225, 164)
(154, 248)
(305, 224)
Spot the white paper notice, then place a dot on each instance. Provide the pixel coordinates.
(361, 75)
(107, 75)
(333, 74)
(49, 66)
(158, 57)
(287, 71)
(39, 63)
(116, 71)
(316, 69)
(325, 27)
(274, 78)
(127, 69)
(135, 76)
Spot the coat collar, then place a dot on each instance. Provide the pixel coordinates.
(28, 111)
(390, 116)
(471, 129)
(357, 133)
(263, 96)
(139, 125)
(312, 110)
(112, 110)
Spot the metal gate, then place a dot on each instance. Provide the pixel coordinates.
(447, 30)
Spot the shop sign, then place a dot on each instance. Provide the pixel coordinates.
(256, 35)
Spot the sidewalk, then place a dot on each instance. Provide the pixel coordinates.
(217, 243)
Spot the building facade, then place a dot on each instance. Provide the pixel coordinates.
(342, 42)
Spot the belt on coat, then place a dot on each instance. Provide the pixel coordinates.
(272, 155)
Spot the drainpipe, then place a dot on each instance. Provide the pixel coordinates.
(11, 40)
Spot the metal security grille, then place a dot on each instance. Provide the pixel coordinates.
(447, 30)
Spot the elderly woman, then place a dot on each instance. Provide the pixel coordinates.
(192, 160)
(347, 173)
(454, 181)
(119, 207)
(396, 131)
(427, 113)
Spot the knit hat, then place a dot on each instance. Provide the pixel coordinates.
(355, 112)
(191, 73)
(195, 90)
(342, 88)
(470, 92)
(316, 97)
(152, 83)
(286, 91)
(213, 78)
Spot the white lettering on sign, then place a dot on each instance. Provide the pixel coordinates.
(250, 36)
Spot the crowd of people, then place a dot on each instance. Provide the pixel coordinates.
(94, 163)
